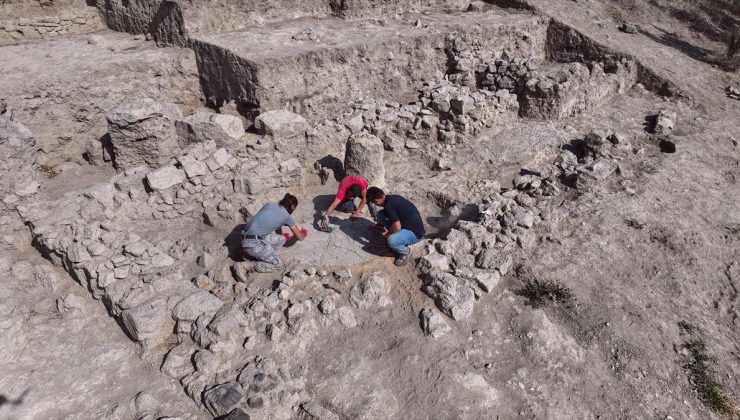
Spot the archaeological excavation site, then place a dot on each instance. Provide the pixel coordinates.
(369, 209)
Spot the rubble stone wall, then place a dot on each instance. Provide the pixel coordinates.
(68, 22)
(322, 79)
(574, 88)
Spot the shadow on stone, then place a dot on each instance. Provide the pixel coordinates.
(233, 242)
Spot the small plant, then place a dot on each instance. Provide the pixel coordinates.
(635, 223)
(702, 373)
(734, 229)
(539, 293)
(46, 170)
(688, 328)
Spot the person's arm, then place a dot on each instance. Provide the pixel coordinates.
(395, 227)
(363, 201)
(393, 218)
(299, 234)
(333, 206)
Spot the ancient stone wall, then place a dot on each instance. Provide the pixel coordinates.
(68, 22)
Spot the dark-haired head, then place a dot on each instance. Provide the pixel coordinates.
(354, 190)
(289, 202)
(375, 193)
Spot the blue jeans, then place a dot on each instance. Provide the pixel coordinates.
(398, 242)
(347, 206)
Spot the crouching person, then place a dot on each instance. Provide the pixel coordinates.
(262, 236)
(401, 220)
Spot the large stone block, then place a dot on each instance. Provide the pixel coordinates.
(149, 322)
(280, 123)
(364, 157)
(224, 130)
(143, 133)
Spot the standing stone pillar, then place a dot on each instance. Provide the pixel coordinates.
(364, 157)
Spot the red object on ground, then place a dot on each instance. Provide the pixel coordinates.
(287, 236)
(304, 232)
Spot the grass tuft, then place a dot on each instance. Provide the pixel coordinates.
(702, 373)
(635, 223)
(539, 293)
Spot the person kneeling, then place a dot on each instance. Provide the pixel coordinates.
(402, 221)
(261, 236)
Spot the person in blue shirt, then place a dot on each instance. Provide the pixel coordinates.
(401, 222)
(261, 236)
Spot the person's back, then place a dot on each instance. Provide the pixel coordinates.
(398, 208)
(270, 217)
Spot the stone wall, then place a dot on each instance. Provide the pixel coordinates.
(574, 88)
(68, 22)
(273, 69)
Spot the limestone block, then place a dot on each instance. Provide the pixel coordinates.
(143, 133)
(224, 130)
(364, 157)
(280, 123)
(165, 177)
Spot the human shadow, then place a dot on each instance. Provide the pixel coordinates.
(336, 166)
(13, 401)
(358, 229)
(233, 242)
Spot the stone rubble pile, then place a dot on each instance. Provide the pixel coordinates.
(474, 256)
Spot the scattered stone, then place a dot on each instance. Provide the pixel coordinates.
(193, 306)
(327, 305)
(315, 411)
(148, 322)
(221, 399)
(412, 144)
(477, 6)
(733, 92)
(224, 130)
(485, 279)
(629, 28)
(280, 123)
(255, 402)
(164, 178)
(343, 275)
(494, 259)
(369, 293)
(237, 414)
(433, 262)
(433, 324)
(452, 295)
(665, 122)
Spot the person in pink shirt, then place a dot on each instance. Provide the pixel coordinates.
(351, 187)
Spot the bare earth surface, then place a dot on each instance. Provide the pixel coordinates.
(569, 265)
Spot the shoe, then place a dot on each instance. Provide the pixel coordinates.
(402, 260)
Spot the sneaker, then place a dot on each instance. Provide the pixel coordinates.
(402, 260)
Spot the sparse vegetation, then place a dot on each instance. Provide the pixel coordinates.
(688, 328)
(734, 229)
(46, 170)
(635, 223)
(539, 293)
(701, 368)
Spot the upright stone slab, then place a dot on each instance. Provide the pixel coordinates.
(143, 133)
(364, 157)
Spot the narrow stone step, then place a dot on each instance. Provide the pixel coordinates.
(315, 67)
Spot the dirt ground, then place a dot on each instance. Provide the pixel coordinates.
(643, 254)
